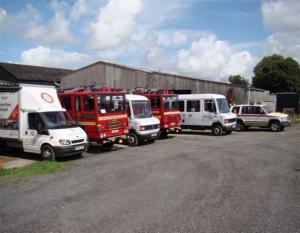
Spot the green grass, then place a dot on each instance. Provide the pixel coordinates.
(296, 120)
(38, 168)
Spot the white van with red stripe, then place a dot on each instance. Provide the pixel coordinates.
(259, 116)
(32, 118)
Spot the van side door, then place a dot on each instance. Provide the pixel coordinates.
(209, 115)
(193, 112)
(36, 134)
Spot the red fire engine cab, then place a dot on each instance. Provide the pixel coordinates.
(166, 108)
(101, 113)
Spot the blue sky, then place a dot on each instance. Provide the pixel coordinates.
(209, 39)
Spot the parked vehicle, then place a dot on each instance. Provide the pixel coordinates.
(142, 125)
(206, 111)
(165, 108)
(100, 112)
(259, 116)
(32, 118)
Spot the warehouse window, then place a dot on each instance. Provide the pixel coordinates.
(193, 106)
(89, 103)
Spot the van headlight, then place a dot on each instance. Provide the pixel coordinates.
(142, 128)
(65, 142)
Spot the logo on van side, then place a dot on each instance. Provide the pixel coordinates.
(48, 98)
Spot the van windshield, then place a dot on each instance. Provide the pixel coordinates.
(141, 109)
(223, 105)
(56, 120)
(170, 102)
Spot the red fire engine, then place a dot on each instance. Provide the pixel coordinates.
(101, 112)
(165, 107)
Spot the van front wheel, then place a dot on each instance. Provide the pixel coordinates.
(217, 130)
(47, 153)
(132, 139)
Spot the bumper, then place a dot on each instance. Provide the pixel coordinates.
(285, 123)
(149, 136)
(64, 151)
(229, 127)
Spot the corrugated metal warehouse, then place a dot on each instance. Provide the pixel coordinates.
(124, 77)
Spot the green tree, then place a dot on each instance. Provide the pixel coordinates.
(239, 80)
(277, 74)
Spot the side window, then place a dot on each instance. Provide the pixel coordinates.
(259, 110)
(35, 122)
(155, 102)
(209, 106)
(77, 104)
(244, 110)
(236, 110)
(181, 106)
(66, 103)
(89, 103)
(193, 106)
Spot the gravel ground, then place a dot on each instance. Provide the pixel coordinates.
(192, 182)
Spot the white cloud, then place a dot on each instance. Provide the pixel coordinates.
(2, 18)
(282, 17)
(45, 56)
(115, 24)
(179, 38)
(213, 59)
(56, 32)
(79, 9)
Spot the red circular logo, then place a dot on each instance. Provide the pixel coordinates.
(48, 98)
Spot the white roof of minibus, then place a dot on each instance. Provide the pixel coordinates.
(135, 97)
(200, 96)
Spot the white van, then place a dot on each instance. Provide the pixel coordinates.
(31, 118)
(206, 111)
(142, 125)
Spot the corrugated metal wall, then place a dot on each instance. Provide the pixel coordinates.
(116, 76)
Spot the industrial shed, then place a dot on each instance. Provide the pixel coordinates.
(125, 77)
(17, 73)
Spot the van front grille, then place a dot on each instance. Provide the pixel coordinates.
(77, 141)
(149, 127)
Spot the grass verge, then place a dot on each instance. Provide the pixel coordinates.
(38, 168)
(296, 120)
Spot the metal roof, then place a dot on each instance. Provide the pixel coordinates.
(26, 73)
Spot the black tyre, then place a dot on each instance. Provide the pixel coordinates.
(108, 145)
(275, 126)
(151, 140)
(132, 139)
(164, 134)
(47, 153)
(239, 126)
(217, 130)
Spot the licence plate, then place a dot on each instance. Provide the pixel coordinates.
(79, 147)
(153, 135)
(172, 123)
(115, 131)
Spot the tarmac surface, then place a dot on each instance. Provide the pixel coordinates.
(192, 182)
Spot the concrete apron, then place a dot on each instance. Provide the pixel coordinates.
(18, 163)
